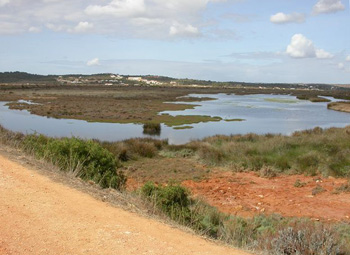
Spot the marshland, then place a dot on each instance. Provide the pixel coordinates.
(190, 154)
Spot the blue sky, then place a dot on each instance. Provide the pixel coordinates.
(223, 40)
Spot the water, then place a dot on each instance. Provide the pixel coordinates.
(261, 113)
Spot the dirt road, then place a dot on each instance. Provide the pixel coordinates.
(40, 216)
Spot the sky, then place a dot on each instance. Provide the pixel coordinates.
(290, 41)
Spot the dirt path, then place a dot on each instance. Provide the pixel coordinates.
(40, 216)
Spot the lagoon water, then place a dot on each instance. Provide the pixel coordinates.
(261, 113)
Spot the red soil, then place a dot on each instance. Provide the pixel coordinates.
(246, 194)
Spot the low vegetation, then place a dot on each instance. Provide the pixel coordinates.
(272, 234)
(310, 152)
(312, 98)
(299, 184)
(182, 127)
(85, 159)
(133, 149)
(180, 120)
(343, 188)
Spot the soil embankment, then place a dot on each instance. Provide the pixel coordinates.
(40, 216)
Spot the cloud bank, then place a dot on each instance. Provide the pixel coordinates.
(126, 18)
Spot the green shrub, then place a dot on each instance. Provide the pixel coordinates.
(206, 219)
(308, 163)
(87, 159)
(173, 200)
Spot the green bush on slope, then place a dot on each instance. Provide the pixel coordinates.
(86, 159)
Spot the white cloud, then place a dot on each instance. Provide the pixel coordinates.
(82, 27)
(183, 30)
(4, 2)
(34, 30)
(328, 6)
(320, 53)
(341, 66)
(93, 62)
(119, 8)
(126, 18)
(56, 28)
(348, 58)
(147, 21)
(302, 47)
(11, 28)
(282, 18)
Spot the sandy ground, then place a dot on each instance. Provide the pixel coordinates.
(40, 216)
(247, 194)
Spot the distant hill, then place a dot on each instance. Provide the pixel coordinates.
(13, 77)
(23, 77)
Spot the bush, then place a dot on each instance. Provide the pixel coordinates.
(308, 163)
(142, 148)
(152, 128)
(211, 154)
(134, 148)
(299, 184)
(173, 200)
(306, 240)
(206, 219)
(317, 190)
(86, 159)
(267, 172)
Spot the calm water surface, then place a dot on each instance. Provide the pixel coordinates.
(262, 114)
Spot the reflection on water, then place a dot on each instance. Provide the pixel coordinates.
(262, 114)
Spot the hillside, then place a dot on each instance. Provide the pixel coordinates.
(14, 77)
